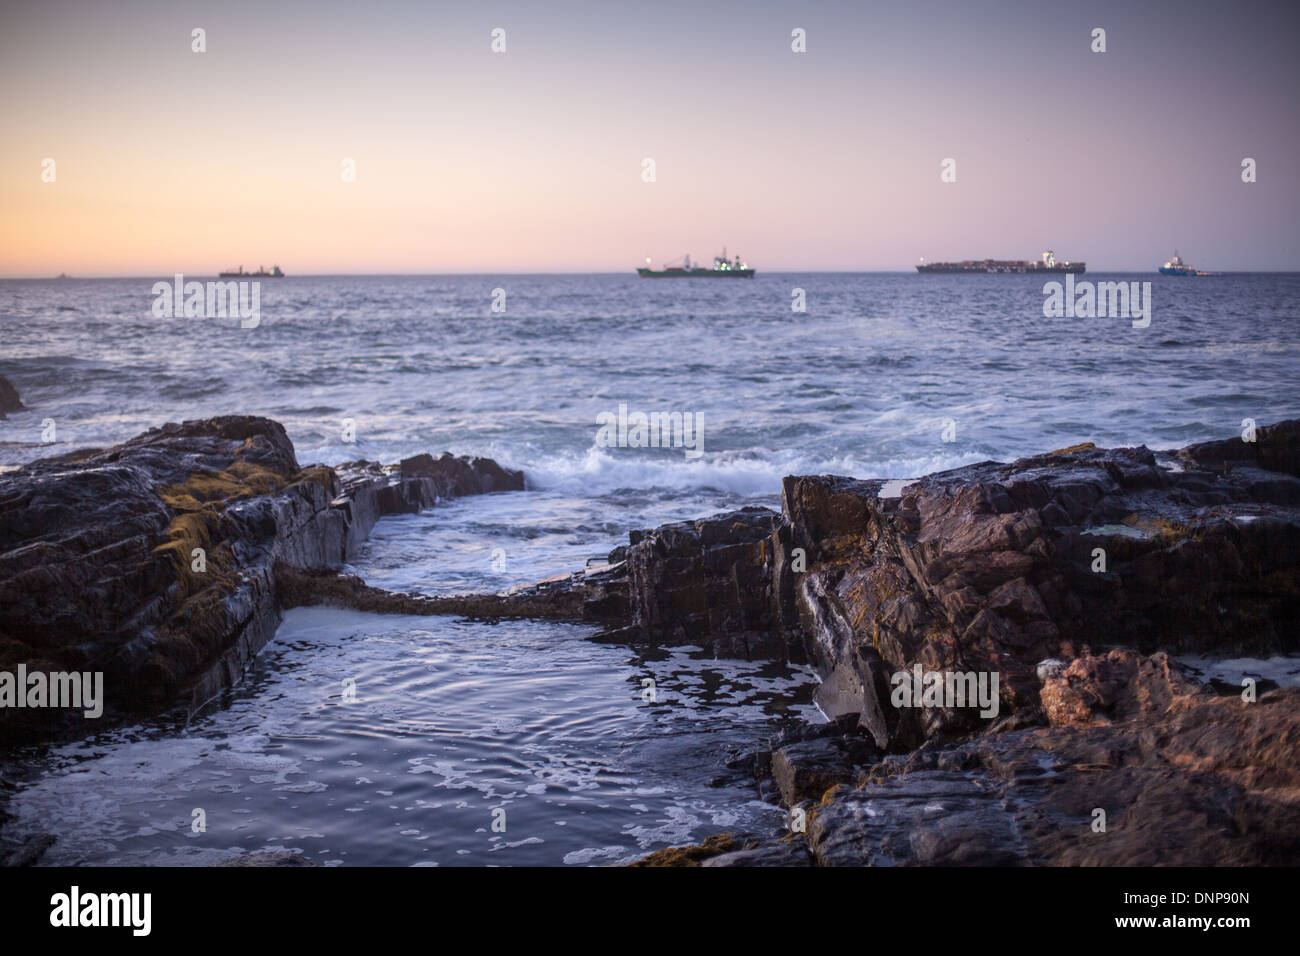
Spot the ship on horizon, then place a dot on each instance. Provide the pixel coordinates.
(723, 268)
(1177, 267)
(1048, 263)
(259, 274)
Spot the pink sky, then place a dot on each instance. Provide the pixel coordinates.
(530, 160)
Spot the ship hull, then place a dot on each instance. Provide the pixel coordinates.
(1168, 271)
(1001, 268)
(696, 273)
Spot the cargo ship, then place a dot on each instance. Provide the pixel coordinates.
(1048, 263)
(259, 274)
(723, 268)
(1177, 267)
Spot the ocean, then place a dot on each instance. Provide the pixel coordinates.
(884, 375)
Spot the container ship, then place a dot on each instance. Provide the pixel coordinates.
(723, 268)
(261, 273)
(1048, 263)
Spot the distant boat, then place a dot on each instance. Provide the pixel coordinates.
(1048, 263)
(723, 268)
(1176, 267)
(259, 274)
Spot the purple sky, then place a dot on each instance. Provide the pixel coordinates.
(531, 160)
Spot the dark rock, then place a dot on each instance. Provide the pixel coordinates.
(1185, 778)
(807, 769)
(928, 818)
(462, 476)
(775, 853)
(29, 852)
(693, 855)
(1276, 448)
(987, 569)
(565, 596)
(289, 858)
(154, 561)
(705, 582)
(990, 568)
(9, 401)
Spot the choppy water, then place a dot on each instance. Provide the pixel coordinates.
(860, 383)
(453, 720)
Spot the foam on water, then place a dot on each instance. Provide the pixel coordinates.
(451, 721)
(748, 473)
(861, 384)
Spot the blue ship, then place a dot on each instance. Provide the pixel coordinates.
(1176, 267)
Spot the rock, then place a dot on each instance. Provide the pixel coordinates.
(1275, 448)
(29, 852)
(1117, 686)
(1184, 779)
(462, 476)
(775, 853)
(806, 770)
(1049, 668)
(706, 582)
(693, 855)
(290, 858)
(925, 818)
(9, 401)
(154, 561)
(564, 597)
(805, 760)
(993, 568)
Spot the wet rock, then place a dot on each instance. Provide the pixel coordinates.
(563, 597)
(29, 852)
(807, 769)
(990, 569)
(1275, 448)
(1183, 778)
(775, 853)
(455, 477)
(996, 567)
(693, 855)
(9, 401)
(925, 818)
(289, 858)
(154, 561)
(706, 582)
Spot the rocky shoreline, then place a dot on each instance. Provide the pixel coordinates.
(157, 561)
(1067, 579)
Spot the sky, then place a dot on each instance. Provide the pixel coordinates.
(532, 159)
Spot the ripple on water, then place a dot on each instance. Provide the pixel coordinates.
(451, 721)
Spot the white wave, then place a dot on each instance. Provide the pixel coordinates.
(746, 473)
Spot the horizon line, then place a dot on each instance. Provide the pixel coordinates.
(376, 275)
